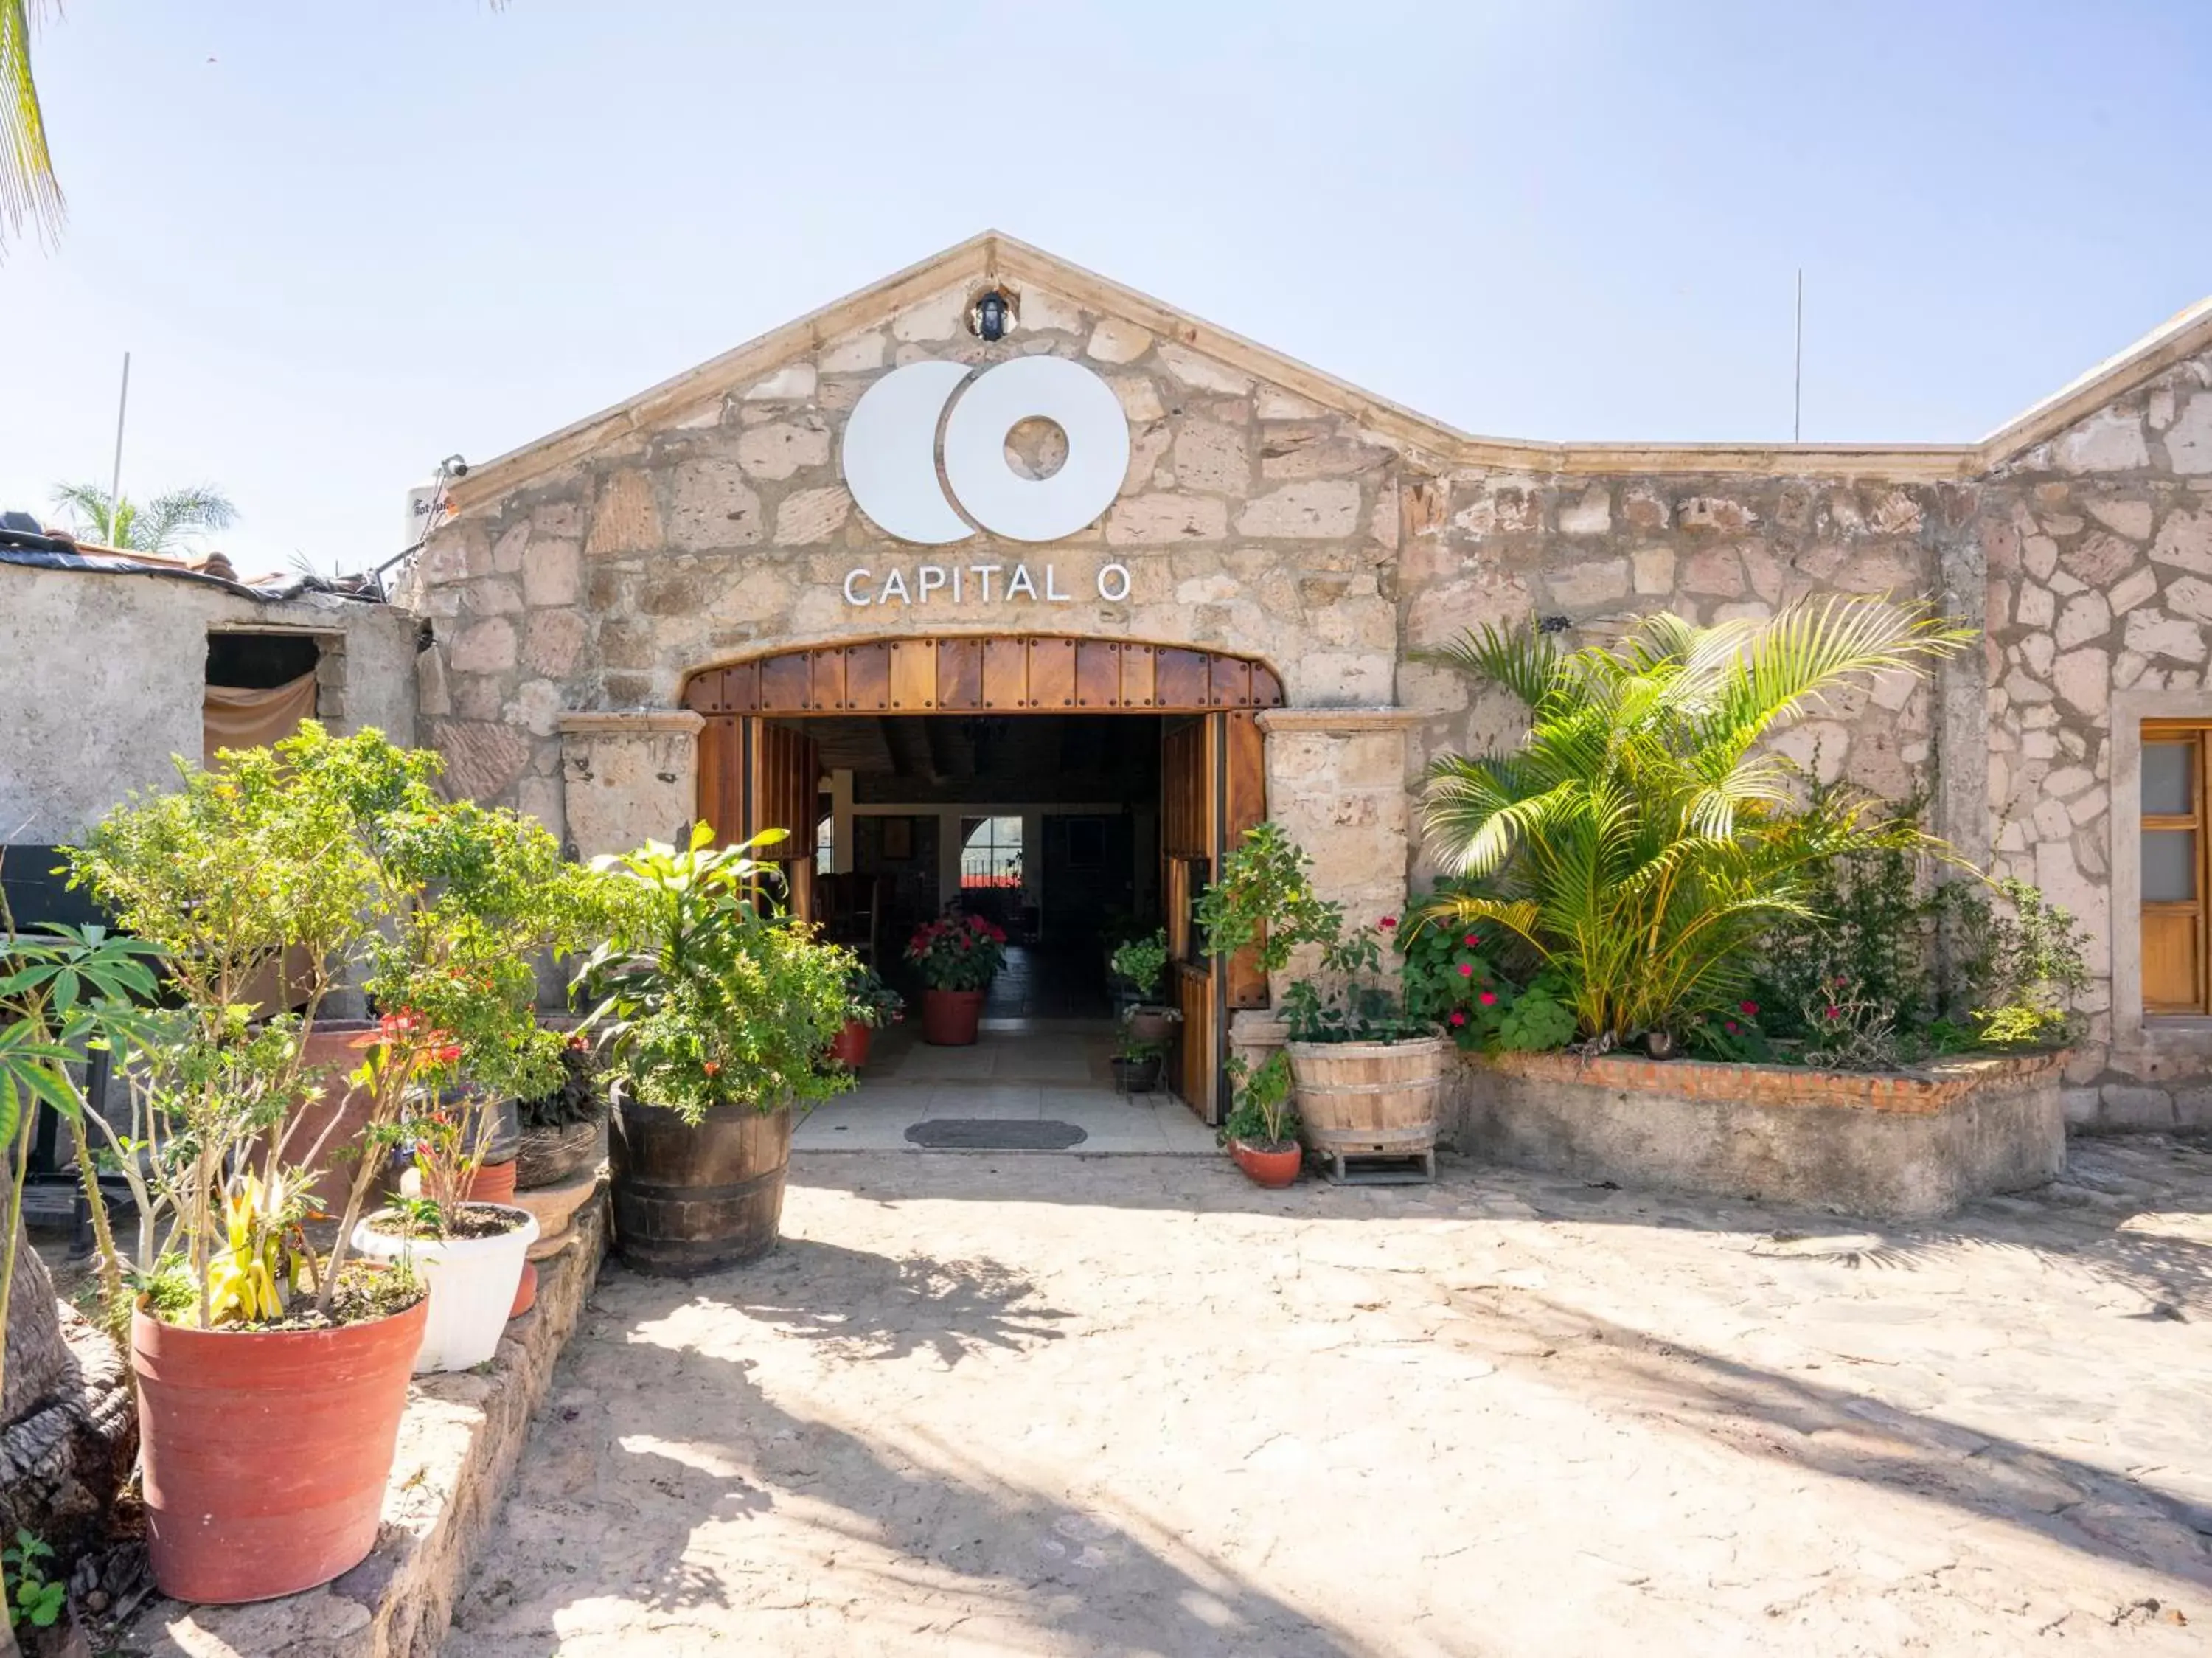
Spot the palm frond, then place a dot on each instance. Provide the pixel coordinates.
(30, 192)
(1522, 660)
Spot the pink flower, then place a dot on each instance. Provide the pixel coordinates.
(1388, 924)
(1487, 997)
(1835, 1013)
(1459, 1016)
(1747, 1008)
(1470, 941)
(1730, 1027)
(1467, 970)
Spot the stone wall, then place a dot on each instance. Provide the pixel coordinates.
(1268, 512)
(102, 678)
(2098, 548)
(1250, 519)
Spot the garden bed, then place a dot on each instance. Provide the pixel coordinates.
(1904, 1145)
(459, 1445)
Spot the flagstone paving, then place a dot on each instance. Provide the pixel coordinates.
(981, 1405)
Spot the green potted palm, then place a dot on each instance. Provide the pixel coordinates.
(870, 1004)
(957, 955)
(712, 1011)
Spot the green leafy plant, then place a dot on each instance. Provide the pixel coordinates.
(958, 952)
(2022, 970)
(32, 1599)
(1540, 1020)
(577, 1100)
(869, 1000)
(1265, 901)
(1142, 960)
(704, 998)
(1641, 837)
(1135, 1052)
(1262, 1115)
(1455, 976)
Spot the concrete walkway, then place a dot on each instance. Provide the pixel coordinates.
(1046, 1070)
(981, 1405)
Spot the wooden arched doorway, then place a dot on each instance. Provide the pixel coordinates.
(758, 767)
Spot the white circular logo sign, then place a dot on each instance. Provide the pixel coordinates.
(891, 451)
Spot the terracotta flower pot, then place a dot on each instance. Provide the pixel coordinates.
(948, 1018)
(266, 1453)
(1272, 1167)
(850, 1048)
(526, 1293)
(493, 1183)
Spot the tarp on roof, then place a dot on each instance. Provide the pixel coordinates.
(38, 552)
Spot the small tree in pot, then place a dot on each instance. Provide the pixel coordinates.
(713, 1013)
(1262, 1130)
(958, 955)
(1369, 1075)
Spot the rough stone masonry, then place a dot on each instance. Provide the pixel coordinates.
(1273, 512)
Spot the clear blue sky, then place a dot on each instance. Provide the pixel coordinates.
(343, 240)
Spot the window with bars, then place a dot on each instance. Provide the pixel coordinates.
(990, 852)
(2174, 911)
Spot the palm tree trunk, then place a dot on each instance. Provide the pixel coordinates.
(38, 1358)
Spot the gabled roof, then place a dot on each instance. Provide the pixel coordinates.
(993, 256)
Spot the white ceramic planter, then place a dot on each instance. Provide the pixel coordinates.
(473, 1283)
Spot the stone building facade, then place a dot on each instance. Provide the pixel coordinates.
(1271, 511)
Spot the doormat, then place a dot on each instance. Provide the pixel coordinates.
(995, 1134)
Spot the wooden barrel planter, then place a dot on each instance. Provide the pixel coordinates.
(1372, 1100)
(695, 1199)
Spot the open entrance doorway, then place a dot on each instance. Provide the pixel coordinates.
(1078, 792)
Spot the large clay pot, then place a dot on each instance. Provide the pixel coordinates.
(265, 1454)
(694, 1199)
(1371, 1097)
(948, 1018)
(1273, 1166)
(473, 1283)
(555, 1156)
(492, 1183)
(850, 1046)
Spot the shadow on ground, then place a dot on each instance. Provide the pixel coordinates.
(1027, 1572)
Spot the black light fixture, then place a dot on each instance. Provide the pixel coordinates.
(991, 315)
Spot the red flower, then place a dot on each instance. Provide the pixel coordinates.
(1747, 1008)
(1730, 1027)
(1835, 1013)
(1388, 924)
(1467, 970)
(1470, 941)
(1487, 997)
(1459, 1016)
(449, 1053)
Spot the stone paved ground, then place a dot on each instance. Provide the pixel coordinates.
(1013, 1405)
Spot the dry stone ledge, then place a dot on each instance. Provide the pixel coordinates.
(1906, 1145)
(459, 1445)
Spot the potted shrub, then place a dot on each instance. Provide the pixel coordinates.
(1137, 1065)
(562, 1129)
(870, 1004)
(712, 1011)
(470, 1253)
(1141, 963)
(958, 955)
(1262, 1130)
(255, 1357)
(1369, 1074)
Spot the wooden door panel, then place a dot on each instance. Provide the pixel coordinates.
(1245, 762)
(827, 694)
(1197, 1063)
(1136, 675)
(1006, 673)
(2172, 977)
(786, 683)
(1180, 679)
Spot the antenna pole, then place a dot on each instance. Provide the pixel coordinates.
(1798, 385)
(122, 406)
